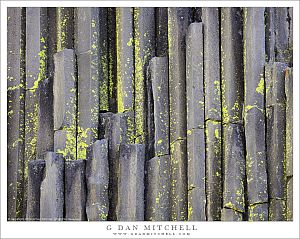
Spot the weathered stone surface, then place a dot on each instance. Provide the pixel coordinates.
(35, 178)
(258, 212)
(256, 156)
(178, 21)
(232, 73)
(130, 205)
(97, 175)
(281, 34)
(275, 83)
(160, 93)
(277, 210)
(276, 119)
(65, 28)
(234, 167)
(75, 190)
(45, 139)
(197, 14)
(88, 101)
(179, 197)
(194, 76)
(289, 200)
(290, 44)
(212, 81)
(289, 121)
(254, 57)
(51, 41)
(158, 185)
(125, 64)
(196, 175)
(161, 31)
(52, 189)
(213, 170)
(105, 125)
(144, 50)
(270, 33)
(231, 215)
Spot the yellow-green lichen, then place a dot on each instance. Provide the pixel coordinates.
(261, 86)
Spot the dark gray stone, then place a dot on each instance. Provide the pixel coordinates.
(97, 175)
(52, 189)
(197, 14)
(212, 81)
(275, 83)
(258, 212)
(196, 175)
(254, 57)
(213, 170)
(64, 90)
(179, 190)
(289, 200)
(35, 177)
(277, 210)
(194, 76)
(161, 31)
(65, 28)
(178, 21)
(105, 125)
(256, 156)
(230, 215)
(144, 50)
(276, 119)
(289, 121)
(88, 100)
(232, 65)
(130, 205)
(291, 24)
(270, 33)
(234, 167)
(51, 41)
(75, 190)
(158, 185)
(159, 86)
(125, 64)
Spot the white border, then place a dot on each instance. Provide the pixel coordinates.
(98, 229)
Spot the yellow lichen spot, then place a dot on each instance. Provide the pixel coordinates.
(159, 141)
(261, 86)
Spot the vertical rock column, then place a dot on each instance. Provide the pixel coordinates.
(178, 21)
(289, 142)
(158, 179)
(97, 175)
(254, 115)
(64, 90)
(15, 114)
(276, 121)
(144, 50)
(92, 89)
(234, 162)
(130, 205)
(36, 73)
(125, 66)
(195, 123)
(52, 189)
(65, 28)
(161, 21)
(212, 90)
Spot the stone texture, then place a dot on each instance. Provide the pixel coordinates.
(270, 34)
(179, 190)
(65, 28)
(130, 205)
(234, 167)
(277, 210)
(196, 175)
(161, 31)
(97, 176)
(212, 79)
(213, 170)
(35, 177)
(75, 190)
(254, 57)
(144, 50)
(159, 79)
(125, 64)
(256, 157)
(194, 76)
(258, 212)
(158, 185)
(289, 200)
(232, 73)
(230, 215)
(52, 189)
